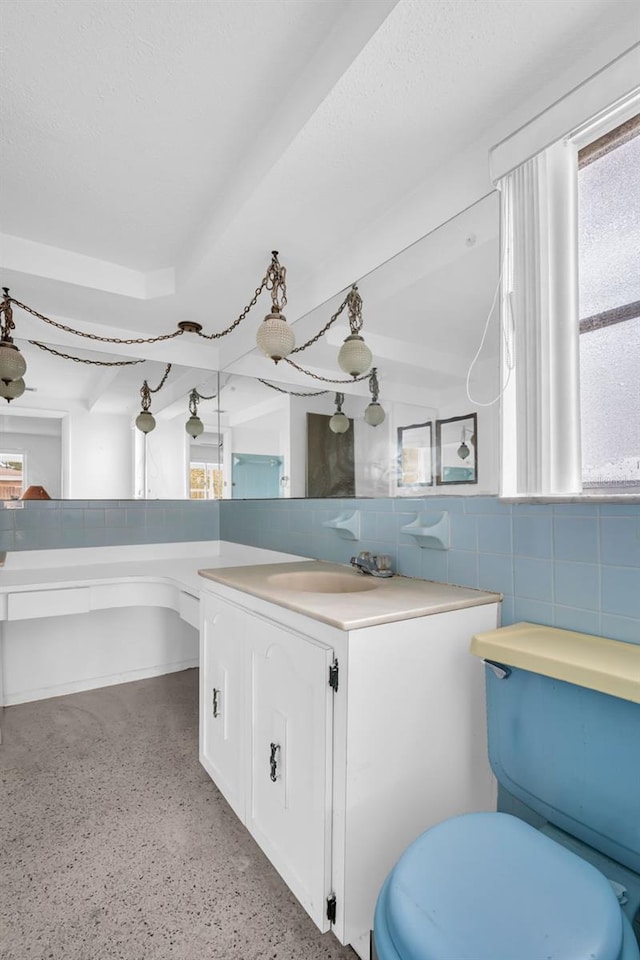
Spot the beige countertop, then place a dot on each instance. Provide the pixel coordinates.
(378, 601)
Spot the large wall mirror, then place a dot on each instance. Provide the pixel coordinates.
(424, 312)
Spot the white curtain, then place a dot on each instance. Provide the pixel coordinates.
(540, 422)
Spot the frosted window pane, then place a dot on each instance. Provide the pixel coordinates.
(610, 401)
(609, 230)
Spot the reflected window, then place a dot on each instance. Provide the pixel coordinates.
(205, 481)
(12, 475)
(609, 287)
(206, 478)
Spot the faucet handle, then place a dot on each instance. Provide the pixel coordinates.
(383, 561)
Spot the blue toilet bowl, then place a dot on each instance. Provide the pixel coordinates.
(487, 886)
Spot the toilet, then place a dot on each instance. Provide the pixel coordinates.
(560, 881)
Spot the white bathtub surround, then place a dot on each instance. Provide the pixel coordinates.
(75, 619)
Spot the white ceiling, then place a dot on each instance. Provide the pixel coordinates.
(154, 153)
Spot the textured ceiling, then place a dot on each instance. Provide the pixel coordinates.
(153, 153)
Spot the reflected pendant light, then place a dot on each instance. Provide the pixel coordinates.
(374, 414)
(339, 422)
(145, 421)
(12, 364)
(275, 338)
(12, 389)
(355, 356)
(194, 425)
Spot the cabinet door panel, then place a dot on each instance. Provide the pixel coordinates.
(222, 701)
(289, 808)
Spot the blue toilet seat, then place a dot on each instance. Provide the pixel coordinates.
(488, 886)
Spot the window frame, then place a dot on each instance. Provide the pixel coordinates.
(533, 418)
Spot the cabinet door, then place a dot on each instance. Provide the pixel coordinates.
(222, 699)
(289, 807)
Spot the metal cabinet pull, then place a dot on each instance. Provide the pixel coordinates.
(214, 702)
(273, 763)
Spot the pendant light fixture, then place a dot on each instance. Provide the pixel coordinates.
(194, 425)
(355, 356)
(145, 421)
(374, 414)
(12, 363)
(339, 422)
(463, 450)
(275, 338)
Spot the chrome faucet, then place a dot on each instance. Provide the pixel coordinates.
(377, 566)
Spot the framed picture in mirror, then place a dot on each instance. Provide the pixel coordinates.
(457, 450)
(415, 456)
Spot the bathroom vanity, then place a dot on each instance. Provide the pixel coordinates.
(341, 715)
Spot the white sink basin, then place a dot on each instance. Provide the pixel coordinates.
(319, 581)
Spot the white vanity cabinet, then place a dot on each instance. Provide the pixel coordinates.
(360, 771)
(266, 722)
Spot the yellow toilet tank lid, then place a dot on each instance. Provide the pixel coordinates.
(609, 666)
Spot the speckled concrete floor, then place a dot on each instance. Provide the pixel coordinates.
(114, 842)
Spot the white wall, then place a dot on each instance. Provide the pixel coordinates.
(40, 440)
(167, 450)
(52, 656)
(99, 456)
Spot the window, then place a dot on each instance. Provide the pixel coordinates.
(206, 477)
(609, 296)
(205, 481)
(570, 415)
(12, 474)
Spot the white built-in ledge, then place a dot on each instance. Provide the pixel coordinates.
(76, 619)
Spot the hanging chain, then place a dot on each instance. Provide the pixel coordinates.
(355, 310)
(7, 324)
(201, 396)
(162, 382)
(273, 280)
(327, 325)
(94, 336)
(374, 386)
(252, 303)
(146, 390)
(293, 393)
(277, 283)
(316, 376)
(97, 363)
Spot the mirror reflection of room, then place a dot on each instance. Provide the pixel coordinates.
(418, 321)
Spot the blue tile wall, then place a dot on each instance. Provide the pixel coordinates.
(49, 524)
(575, 566)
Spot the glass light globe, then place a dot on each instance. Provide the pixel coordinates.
(194, 427)
(145, 421)
(355, 357)
(463, 451)
(11, 390)
(339, 423)
(374, 414)
(12, 363)
(275, 338)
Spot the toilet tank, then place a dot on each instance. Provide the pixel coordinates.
(564, 731)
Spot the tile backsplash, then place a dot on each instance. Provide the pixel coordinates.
(574, 565)
(41, 525)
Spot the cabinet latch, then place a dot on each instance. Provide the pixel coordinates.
(333, 676)
(331, 908)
